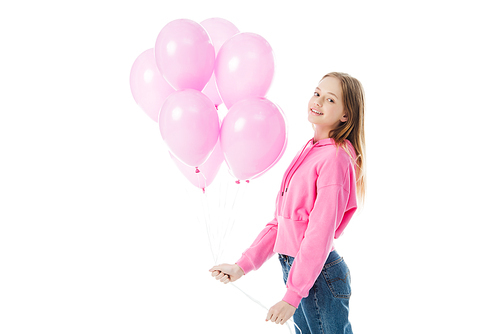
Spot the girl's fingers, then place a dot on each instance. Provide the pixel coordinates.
(219, 275)
(214, 269)
(270, 316)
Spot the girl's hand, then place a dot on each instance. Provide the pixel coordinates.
(227, 272)
(280, 312)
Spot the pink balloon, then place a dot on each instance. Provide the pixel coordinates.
(219, 30)
(253, 137)
(148, 86)
(244, 68)
(211, 91)
(189, 124)
(184, 54)
(208, 169)
(282, 150)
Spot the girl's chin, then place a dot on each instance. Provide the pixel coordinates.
(312, 119)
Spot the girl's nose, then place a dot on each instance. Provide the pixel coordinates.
(316, 103)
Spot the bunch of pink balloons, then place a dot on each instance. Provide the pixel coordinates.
(191, 71)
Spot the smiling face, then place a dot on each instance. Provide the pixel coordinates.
(325, 108)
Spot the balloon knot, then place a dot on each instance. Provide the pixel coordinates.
(216, 107)
(248, 181)
(237, 182)
(203, 190)
(197, 170)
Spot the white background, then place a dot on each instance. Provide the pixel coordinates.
(99, 232)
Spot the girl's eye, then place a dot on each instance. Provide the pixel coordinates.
(316, 93)
(330, 100)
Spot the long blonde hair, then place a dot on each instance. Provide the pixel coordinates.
(354, 128)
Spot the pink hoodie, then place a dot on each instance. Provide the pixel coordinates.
(315, 203)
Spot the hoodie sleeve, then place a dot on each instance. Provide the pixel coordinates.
(261, 249)
(326, 215)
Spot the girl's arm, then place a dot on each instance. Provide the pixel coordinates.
(261, 249)
(325, 217)
(252, 259)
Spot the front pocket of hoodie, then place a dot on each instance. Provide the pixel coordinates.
(338, 278)
(290, 235)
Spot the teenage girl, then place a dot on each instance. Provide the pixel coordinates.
(317, 199)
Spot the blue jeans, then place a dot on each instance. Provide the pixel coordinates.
(326, 309)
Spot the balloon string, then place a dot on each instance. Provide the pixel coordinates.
(227, 224)
(223, 219)
(290, 321)
(232, 215)
(205, 209)
(222, 205)
(227, 232)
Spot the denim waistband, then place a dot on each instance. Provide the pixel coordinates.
(333, 255)
(286, 257)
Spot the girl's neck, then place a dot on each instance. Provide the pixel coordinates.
(318, 135)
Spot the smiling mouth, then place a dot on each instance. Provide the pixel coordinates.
(314, 111)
